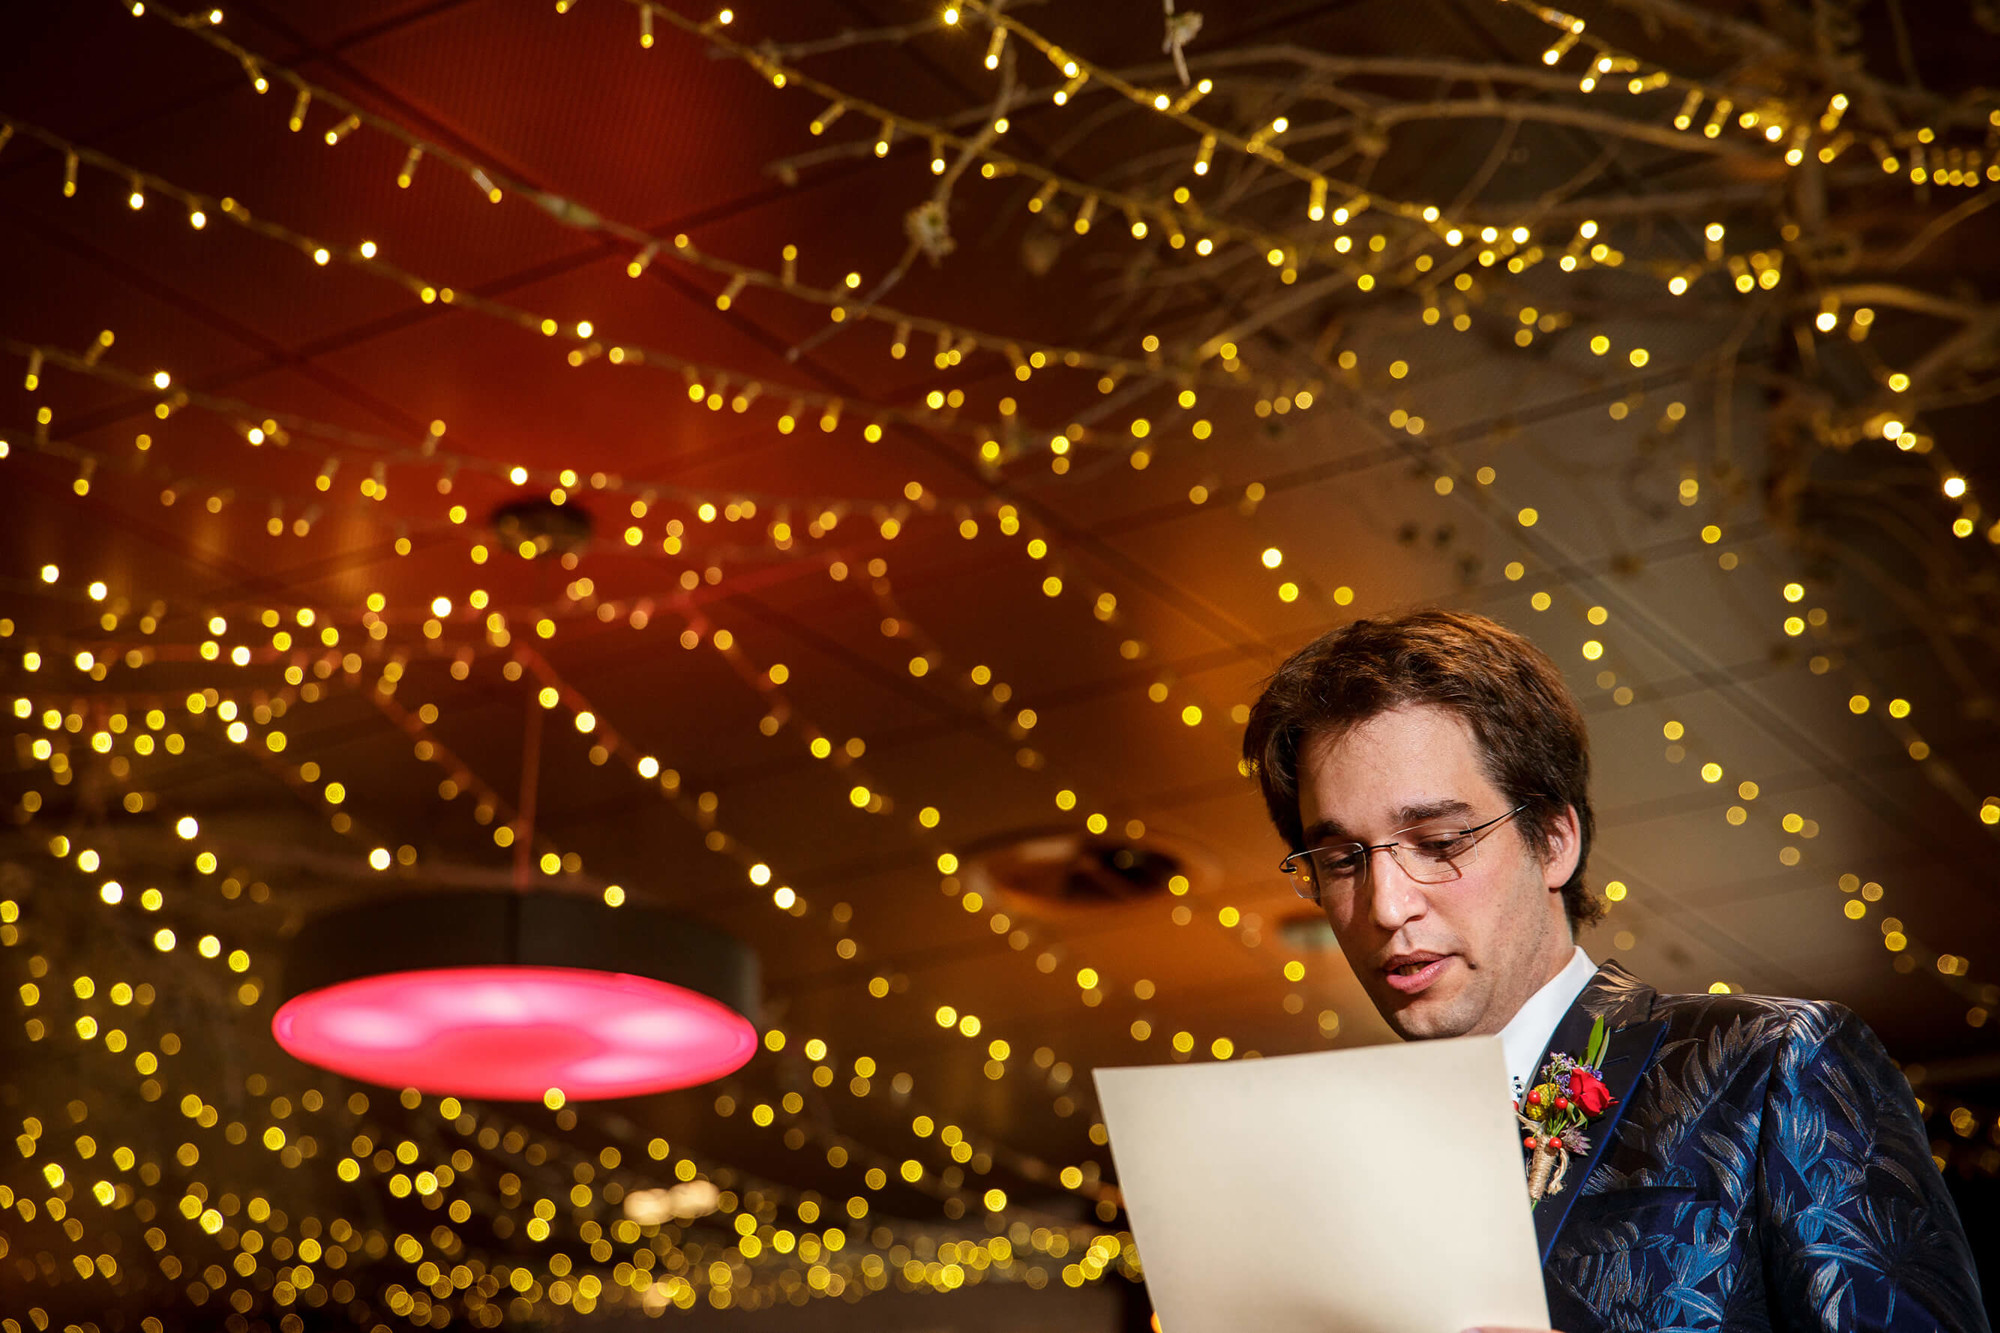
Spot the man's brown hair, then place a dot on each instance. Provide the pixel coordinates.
(1531, 735)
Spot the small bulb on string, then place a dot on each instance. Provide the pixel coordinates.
(642, 259)
(824, 120)
(409, 171)
(342, 130)
(299, 105)
(1187, 99)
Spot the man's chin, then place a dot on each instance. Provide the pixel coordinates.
(1425, 1016)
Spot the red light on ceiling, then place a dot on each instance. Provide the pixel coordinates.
(511, 1033)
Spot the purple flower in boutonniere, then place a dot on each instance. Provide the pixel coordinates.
(1566, 1096)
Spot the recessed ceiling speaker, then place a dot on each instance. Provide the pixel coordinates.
(1061, 871)
(547, 527)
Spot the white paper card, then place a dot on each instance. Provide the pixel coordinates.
(1375, 1190)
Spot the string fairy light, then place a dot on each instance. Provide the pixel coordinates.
(328, 441)
(1894, 715)
(1260, 144)
(586, 347)
(560, 210)
(552, 861)
(272, 1136)
(867, 796)
(489, 803)
(1945, 968)
(1908, 955)
(1896, 938)
(233, 737)
(1750, 273)
(1773, 128)
(985, 692)
(1178, 225)
(423, 753)
(648, 246)
(1953, 484)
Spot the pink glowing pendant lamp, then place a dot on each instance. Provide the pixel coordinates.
(518, 996)
(510, 996)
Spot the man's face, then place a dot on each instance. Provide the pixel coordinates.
(1439, 960)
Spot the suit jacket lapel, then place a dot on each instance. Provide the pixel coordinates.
(1625, 1003)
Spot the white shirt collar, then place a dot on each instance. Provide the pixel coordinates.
(1527, 1034)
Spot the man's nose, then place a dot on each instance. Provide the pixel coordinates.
(1394, 899)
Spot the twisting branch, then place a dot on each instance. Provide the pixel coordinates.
(929, 224)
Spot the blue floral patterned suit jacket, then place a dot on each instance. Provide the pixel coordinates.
(1765, 1168)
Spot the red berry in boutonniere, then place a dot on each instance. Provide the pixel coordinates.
(1562, 1103)
(1535, 1097)
(1589, 1092)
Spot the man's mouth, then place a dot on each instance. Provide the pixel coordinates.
(1411, 973)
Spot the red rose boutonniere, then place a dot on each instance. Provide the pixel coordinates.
(1567, 1096)
(1588, 1092)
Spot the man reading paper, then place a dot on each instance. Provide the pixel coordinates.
(1714, 1162)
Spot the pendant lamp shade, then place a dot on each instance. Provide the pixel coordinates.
(518, 996)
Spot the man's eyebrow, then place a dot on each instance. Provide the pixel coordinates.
(1325, 833)
(1329, 831)
(1428, 810)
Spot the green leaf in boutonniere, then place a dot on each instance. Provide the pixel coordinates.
(1594, 1053)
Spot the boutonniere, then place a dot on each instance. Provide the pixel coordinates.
(1567, 1096)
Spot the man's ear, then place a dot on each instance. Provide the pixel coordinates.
(1565, 846)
